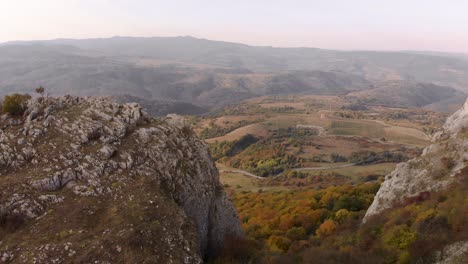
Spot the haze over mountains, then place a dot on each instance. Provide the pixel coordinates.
(211, 73)
(333, 157)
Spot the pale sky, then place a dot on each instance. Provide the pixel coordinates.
(438, 25)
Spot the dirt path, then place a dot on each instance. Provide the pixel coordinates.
(246, 173)
(324, 168)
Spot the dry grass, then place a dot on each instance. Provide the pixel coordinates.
(343, 145)
(357, 173)
(223, 120)
(257, 130)
(373, 129)
(296, 105)
(405, 135)
(356, 128)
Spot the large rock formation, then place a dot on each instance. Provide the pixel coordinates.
(433, 171)
(89, 180)
(455, 124)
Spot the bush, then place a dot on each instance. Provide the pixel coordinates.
(355, 107)
(335, 157)
(279, 243)
(40, 90)
(400, 237)
(15, 104)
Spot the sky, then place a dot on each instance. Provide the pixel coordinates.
(436, 25)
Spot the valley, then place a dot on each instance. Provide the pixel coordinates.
(291, 179)
(302, 171)
(275, 136)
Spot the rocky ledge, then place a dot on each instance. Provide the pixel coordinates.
(90, 180)
(441, 164)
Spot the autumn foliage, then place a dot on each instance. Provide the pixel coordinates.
(284, 220)
(325, 225)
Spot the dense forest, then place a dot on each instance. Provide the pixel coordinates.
(325, 226)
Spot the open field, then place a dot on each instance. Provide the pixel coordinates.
(356, 128)
(357, 173)
(344, 145)
(343, 136)
(241, 182)
(324, 178)
(406, 135)
(257, 130)
(285, 136)
(334, 126)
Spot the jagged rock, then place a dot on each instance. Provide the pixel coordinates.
(176, 120)
(29, 152)
(108, 151)
(80, 148)
(453, 254)
(32, 115)
(6, 257)
(428, 173)
(455, 123)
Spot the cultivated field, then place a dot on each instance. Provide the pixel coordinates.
(279, 123)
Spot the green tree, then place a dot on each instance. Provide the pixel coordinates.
(15, 104)
(40, 90)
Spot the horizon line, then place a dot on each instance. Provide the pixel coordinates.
(462, 53)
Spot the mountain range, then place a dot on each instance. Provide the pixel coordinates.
(208, 74)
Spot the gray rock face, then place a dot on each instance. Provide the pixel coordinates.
(93, 146)
(176, 120)
(455, 124)
(433, 171)
(453, 254)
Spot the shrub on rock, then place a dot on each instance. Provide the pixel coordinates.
(15, 104)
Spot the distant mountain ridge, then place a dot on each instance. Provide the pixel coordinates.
(211, 73)
(406, 94)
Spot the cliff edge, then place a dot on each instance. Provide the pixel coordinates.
(89, 180)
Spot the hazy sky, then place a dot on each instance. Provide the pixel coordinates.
(336, 24)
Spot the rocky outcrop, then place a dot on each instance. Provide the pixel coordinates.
(453, 254)
(433, 171)
(456, 124)
(154, 174)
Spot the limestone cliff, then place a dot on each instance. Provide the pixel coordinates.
(89, 180)
(438, 166)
